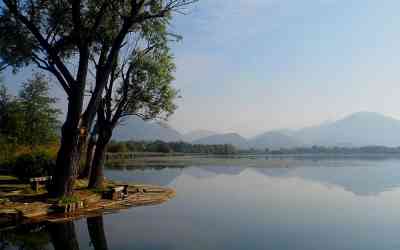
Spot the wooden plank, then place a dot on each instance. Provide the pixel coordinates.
(118, 189)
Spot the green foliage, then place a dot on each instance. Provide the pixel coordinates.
(39, 113)
(117, 147)
(159, 146)
(151, 94)
(31, 118)
(100, 23)
(35, 164)
(170, 147)
(68, 200)
(141, 82)
(7, 152)
(9, 116)
(14, 158)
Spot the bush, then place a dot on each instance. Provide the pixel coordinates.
(118, 147)
(35, 164)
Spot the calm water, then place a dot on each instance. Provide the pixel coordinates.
(323, 204)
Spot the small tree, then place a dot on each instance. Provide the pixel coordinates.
(5, 100)
(30, 119)
(11, 118)
(39, 112)
(143, 88)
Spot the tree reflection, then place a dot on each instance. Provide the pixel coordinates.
(96, 232)
(63, 236)
(26, 237)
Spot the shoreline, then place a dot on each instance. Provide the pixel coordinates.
(31, 208)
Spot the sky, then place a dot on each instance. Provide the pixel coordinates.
(249, 66)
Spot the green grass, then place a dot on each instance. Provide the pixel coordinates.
(68, 200)
(7, 178)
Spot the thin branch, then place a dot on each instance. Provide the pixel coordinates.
(41, 63)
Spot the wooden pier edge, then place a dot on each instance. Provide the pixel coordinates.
(94, 205)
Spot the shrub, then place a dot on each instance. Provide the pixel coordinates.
(118, 147)
(35, 164)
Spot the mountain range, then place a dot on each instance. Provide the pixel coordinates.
(358, 129)
(139, 130)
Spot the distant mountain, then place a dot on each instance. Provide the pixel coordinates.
(138, 130)
(359, 129)
(275, 140)
(231, 138)
(197, 134)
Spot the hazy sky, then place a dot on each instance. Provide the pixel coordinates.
(248, 66)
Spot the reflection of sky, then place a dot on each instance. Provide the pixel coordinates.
(268, 210)
(220, 207)
(360, 180)
(359, 176)
(149, 176)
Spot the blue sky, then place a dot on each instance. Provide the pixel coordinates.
(248, 66)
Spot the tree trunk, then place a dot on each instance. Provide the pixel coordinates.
(96, 232)
(96, 174)
(67, 164)
(73, 135)
(89, 157)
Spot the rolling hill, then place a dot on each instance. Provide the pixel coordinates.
(358, 129)
(197, 134)
(139, 130)
(274, 140)
(230, 138)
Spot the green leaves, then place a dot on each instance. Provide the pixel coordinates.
(39, 112)
(151, 94)
(30, 119)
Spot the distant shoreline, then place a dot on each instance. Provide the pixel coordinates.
(242, 160)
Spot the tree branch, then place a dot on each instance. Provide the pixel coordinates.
(46, 46)
(41, 63)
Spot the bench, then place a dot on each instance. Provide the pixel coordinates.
(116, 193)
(36, 181)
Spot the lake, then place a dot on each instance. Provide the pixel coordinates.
(324, 203)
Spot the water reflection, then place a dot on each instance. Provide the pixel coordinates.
(63, 236)
(163, 176)
(351, 206)
(27, 237)
(96, 232)
(359, 175)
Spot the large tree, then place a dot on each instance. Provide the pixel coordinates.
(69, 39)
